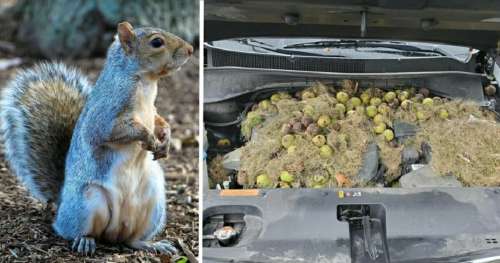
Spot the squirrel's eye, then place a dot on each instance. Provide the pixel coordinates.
(156, 42)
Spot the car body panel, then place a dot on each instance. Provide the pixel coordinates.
(301, 225)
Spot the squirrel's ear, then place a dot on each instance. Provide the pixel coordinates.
(126, 35)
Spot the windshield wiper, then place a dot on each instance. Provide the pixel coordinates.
(261, 45)
(400, 46)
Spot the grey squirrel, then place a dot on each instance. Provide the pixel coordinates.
(93, 150)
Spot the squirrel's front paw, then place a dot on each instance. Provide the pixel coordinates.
(163, 134)
(162, 150)
(158, 148)
(151, 143)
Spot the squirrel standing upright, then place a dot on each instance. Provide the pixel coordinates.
(101, 141)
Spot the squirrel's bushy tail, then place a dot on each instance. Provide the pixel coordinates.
(38, 111)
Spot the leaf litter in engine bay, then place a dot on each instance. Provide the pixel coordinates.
(318, 137)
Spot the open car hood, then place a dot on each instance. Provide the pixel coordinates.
(468, 23)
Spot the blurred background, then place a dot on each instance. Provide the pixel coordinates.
(83, 28)
(78, 34)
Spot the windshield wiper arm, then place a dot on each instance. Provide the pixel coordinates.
(363, 44)
(324, 43)
(402, 52)
(258, 44)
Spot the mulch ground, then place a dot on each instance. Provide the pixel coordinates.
(25, 224)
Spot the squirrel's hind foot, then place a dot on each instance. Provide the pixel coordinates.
(84, 245)
(163, 247)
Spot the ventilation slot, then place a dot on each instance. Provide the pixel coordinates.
(223, 58)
